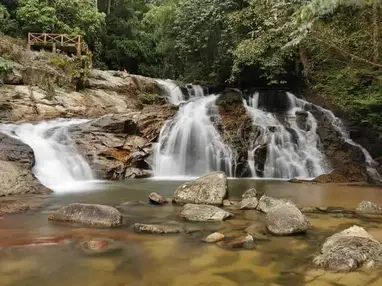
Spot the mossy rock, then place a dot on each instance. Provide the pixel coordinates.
(230, 97)
(151, 98)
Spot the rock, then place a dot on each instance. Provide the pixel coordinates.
(267, 203)
(97, 215)
(249, 200)
(348, 250)
(97, 246)
(286, 219)
(158, 228)
(246, 242)
(15, 179)
(251, 193)
(214, 237)
(210, 189)
(157, 199)
(227, 203)
(16, 162)
(368, 207)
(194, 212)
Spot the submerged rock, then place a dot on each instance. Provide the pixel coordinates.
(368, 207)
(157, 199)
(249, 200)
(267, 203)
(258, 231)
(214, 237)
(193, 212)
(246, 242)
(158, 228)
(286, 219)
(97, 246)
(209, 189)
(97, 215)
(348, 250)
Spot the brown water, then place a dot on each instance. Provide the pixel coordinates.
(37, 252)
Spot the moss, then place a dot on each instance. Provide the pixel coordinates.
(151, 98)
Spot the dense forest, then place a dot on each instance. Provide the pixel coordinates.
(333, 46)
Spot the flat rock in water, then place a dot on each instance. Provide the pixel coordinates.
(286, 219)
(249, 200)
(158, 228)
(210, 189)
(368, 207)
(348, 250)
(157, 199)
(97, 215)
(266, 203)
(214, 237)
(193, 212)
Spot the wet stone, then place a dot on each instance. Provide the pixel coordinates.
(214, 237)
(245, 242)
(368, 207)
(158, 228)
(193, 212)
(97, 246)
(157, 199)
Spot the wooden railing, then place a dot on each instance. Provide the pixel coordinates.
(58, 40)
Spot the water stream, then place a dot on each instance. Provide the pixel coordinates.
(58, 165)
(189, 144)
(292, 148)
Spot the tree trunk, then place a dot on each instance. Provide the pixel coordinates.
(375, 32)
(304, 59)
(108, 7)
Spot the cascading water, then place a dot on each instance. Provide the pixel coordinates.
(339, 126)
(173, 91)
(58, 165)
(292, 149)
(189, 145)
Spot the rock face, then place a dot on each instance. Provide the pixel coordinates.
(193, 212)
(235, 127)
(16, 162)
(97, 215)
(286, 219)
(368, 207)
(119, 146)
(209, 189)
(267, 203)
(158, 228)
(348, 250)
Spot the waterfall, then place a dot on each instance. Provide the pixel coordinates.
(339, 126)
(58, 165)
(189, 144)
(174, 93)
(292, 147)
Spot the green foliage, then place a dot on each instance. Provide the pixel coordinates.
(5, 67)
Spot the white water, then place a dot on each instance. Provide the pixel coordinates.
(189, 144)
(339, 126)
(174, 93)
(291, 151)
(58, 165)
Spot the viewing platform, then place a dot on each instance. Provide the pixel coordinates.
(72, 44)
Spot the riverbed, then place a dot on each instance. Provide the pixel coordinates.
(38, 252)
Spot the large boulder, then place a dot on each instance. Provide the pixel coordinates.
(286, 219)
(193, 212)
(266, 203)
(16, 162)
(97, 215)
(210, 189)
(348, 250)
